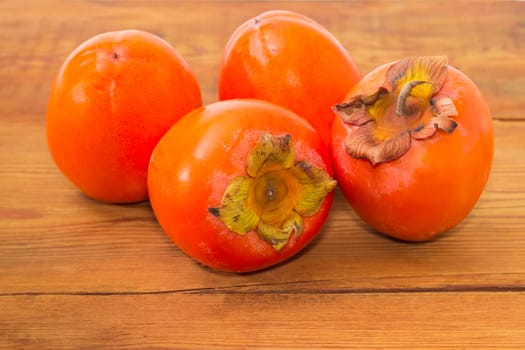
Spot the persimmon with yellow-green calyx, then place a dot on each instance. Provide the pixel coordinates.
(241, 185)
(413, 147)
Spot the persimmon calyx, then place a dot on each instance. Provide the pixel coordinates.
(407, 106)
(276, 193)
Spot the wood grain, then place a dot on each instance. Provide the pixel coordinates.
(248, 321)
(78, 274)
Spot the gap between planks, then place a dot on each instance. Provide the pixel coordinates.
(261, 289)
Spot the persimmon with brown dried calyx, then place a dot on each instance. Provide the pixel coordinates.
(413, 147)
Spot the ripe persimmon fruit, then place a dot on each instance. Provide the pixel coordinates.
(114, 97)
(241, 185)
(291, 60)
(412, 147)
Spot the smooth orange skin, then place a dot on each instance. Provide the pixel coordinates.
(288, 59)
(200, 155)
(436, 184)
(106, 114)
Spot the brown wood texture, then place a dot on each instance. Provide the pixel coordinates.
(78, 274)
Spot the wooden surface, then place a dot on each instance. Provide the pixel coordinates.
(77, 274)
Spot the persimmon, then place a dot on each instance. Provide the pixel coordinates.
(112, 100)
(241, 185)
(291, 60)
(413, 147)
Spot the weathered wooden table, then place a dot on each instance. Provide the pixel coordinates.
(75, 273)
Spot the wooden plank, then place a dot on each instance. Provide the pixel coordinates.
(241, 321)
(486, 42)
(56, 240)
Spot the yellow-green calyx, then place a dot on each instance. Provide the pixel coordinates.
(275, 194)
(407, 106)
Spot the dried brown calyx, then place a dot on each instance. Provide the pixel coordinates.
(407, 106)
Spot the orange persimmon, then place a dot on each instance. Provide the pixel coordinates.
(112, 100)
(413, 147)
(291, 60)
(241, 185)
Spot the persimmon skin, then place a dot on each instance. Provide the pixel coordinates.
(291, 60)
(432, 187)
(112, 100)
(199, 156)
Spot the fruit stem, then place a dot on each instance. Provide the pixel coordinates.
(402, 108)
